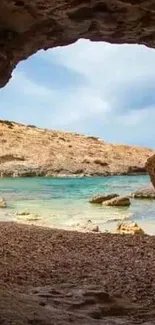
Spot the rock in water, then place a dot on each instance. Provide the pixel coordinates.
(23, 213)
(2, 203)
(101, 198)
(27, 216)
(144, 193)
(122, 201)
(129, 228)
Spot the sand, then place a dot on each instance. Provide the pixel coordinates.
(54, 277)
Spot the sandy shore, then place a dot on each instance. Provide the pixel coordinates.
(59, 277)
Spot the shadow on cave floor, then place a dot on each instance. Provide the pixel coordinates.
(56, 277)
(70, 305)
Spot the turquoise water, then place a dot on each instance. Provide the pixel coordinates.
(64, 202)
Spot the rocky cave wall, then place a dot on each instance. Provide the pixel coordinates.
(150, 166)
(27, 26)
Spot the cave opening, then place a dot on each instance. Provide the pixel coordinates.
(93, 88)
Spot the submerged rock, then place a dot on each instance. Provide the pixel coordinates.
(144, 193)
(27, 216)
(129, 228)
(2, 203)
(101, 198)
(118, 201)
(23, 213)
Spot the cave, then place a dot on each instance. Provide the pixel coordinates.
(27, 26)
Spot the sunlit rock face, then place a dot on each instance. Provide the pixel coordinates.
(29, 25)
(64, 154)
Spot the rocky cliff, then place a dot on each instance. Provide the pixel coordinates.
(150, 166)
(30, 151)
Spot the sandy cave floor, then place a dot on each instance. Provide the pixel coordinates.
(53, 277)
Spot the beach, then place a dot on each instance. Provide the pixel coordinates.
(60, 277)
(53, 270)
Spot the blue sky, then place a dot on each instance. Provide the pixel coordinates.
(91, 88)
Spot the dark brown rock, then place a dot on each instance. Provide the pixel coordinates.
(118, 201)
(98, 199)
(150, 166)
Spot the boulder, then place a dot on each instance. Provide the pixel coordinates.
(102, 197)
(147, 192)
(129, 228)
(2, 203)
(150, 166)
(122, 201)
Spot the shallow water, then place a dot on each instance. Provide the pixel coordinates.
(63, 203)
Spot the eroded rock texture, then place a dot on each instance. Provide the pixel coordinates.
(29, 25)
(150, 166)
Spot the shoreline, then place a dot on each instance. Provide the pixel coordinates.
(88, 226)
(35, 259)
(65, 176)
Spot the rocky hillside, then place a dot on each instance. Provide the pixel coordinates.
(30, 151)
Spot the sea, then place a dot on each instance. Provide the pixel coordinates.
(64, 202)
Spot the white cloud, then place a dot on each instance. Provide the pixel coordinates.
(80, 104)
(21, 83)
(103, 61)
(116, 100)
(122, 75)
